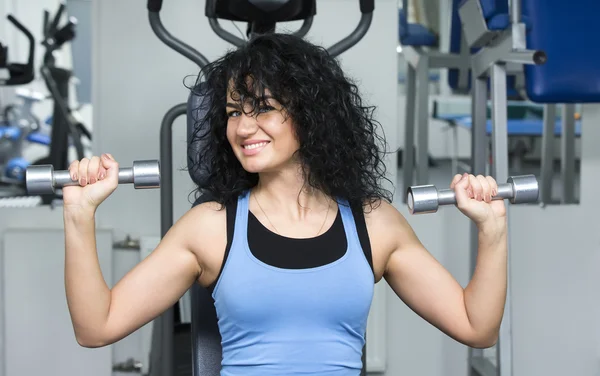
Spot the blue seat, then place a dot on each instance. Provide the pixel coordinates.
(412, 34)
(571, 74)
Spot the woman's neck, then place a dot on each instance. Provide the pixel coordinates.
(288, 192)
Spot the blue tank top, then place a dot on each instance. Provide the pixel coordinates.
(276, 321)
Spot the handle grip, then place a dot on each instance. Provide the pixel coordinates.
(154, 5)
(367, 6)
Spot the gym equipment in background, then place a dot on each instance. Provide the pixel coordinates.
(43, 179)
(66, 128)
(423, 199)
(18, 73)
(170, 338)
(509, 32)
(18, 124)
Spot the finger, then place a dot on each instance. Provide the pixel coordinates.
(476, 188)
(82, 171)
(110, 165)
(486, 191)
(461, 190)
(455, 180)
(93, 168)
(101, 171)
(493, 185)
(74, 169)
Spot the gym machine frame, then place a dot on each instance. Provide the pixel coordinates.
(418, 63)
(498, 50)
(64, 124)
(162, 337)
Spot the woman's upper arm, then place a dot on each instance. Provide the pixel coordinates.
(419, 279)
(158, 281)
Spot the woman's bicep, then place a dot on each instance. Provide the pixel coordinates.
(152, 286)
(417, 277)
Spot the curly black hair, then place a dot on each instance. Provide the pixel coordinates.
(340, 151)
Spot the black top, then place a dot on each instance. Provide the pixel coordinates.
(289, 253)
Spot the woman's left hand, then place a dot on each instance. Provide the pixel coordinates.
(474, 198)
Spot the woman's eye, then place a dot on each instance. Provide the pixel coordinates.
(265, 108)
(233, 113)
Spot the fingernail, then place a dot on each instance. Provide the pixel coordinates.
(82, 181)
(74, 176)
(101, 175)
(92, 180)
(104, 156)
(110, 156)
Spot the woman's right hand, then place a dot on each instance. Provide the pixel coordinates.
(98, 177)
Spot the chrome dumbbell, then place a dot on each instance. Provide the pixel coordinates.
(42, 179)
(427, 198)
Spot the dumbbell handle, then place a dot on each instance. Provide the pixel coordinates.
(62, 178)
(448, 197)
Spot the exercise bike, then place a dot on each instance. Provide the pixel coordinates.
(171, 353)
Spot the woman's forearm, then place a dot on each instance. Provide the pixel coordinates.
(485, 295)
(88, 295)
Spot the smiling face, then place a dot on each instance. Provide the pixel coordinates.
(263, 140)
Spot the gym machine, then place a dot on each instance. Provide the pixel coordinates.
(66, 128)
(18, 73)
(497, 30)
(170, 338)
(14, 133)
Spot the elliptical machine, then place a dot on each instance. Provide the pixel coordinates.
(14, 133)
(171, 337)
(66, 128)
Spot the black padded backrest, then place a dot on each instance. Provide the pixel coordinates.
(197, 106)
(206, 339)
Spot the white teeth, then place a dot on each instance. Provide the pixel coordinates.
(254, 146)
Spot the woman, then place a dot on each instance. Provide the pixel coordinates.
(297, 233)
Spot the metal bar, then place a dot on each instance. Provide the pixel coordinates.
(447, 60)
(500, 173)
(412, 55)
(515, 11)
(162, 335)
(547, 162)
(568, 154)
(224, 34)
(479, 141)
(354, 37)
(305, 28)
(408, 159)
(499, 123)
(422, 123)
(177, 45)
(483, 367)
(63, 126)
(535, 57)
(502, 50)
(474, 25)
